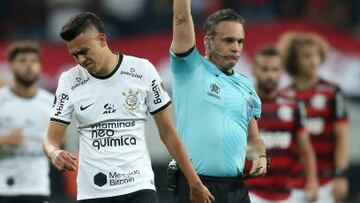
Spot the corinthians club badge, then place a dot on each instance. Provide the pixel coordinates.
(131, 99)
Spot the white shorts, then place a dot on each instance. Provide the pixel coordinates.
(256, 199)
(325, 195)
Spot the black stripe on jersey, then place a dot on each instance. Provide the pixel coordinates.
(59, 121)
(161, 108)
(102, 77)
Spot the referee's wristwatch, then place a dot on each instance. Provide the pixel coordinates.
(267, 160)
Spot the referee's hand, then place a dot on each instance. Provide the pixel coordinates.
(63, 160)
(259, 167)
(200, 194)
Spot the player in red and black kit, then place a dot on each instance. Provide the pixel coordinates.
(282, 130)
(326, 116)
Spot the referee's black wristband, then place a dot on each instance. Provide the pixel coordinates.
(341, 172)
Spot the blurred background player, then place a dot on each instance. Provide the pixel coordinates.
(24, 114)
(326, 115)
(281, 128)
(216, 108)
(110, 95)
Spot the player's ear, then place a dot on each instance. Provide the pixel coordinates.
(102, 39)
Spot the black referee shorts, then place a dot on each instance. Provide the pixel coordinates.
(225, 190)
(141, 196)
(24, 199)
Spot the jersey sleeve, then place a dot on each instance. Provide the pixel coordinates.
(300, 115)
(157, 97)
(339, 107)
(257, 106)
(62, 107)
(184, 64)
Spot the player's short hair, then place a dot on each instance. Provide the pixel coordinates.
(223, 15)
(269, 51)
(291, 42)
(79, 23)
(21, 47)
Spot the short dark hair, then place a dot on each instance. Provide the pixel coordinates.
(268, 51)
(79, 23)
(223, 15)
(21, 47)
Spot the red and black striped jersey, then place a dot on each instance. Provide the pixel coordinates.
(324, 105)
(280, 122)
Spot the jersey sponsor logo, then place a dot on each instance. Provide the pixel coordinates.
(100, 179)
(156, 90)
(61, 103)
(131, 73)
(82, 108)
(79, 82)
(315, 126)
(104, 135)
(214, 90)
(109, 108)
(116, 178)
(131, 101)
(280, 140)
(285, 113)
(109, 141)
(318, 101)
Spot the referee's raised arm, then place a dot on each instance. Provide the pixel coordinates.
(183, 27)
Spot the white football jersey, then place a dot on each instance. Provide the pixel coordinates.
(24, 170)
(111, 114)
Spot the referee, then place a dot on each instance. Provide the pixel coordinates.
(216, 108)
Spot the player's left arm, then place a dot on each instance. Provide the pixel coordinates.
(259, 162)
(340, 190)
(171, 139)
(308, 162)
(341, 162)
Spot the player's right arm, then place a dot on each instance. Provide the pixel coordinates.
(183, 27)
(15, 138)
(60, 118)
(61, 159)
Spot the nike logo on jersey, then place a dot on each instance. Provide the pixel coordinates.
(82, 108)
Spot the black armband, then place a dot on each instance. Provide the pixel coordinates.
(341, 172)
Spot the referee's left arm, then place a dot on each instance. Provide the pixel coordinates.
(259, 164)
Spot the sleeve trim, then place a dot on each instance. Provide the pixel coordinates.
(301, 130)
(161, 108)
(341, 120)
(185, 54)
(59, 121)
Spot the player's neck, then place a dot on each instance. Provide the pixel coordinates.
(110, 64)
(267, 95)
(305, 82)
(22, 91)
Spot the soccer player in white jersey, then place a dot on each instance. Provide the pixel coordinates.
(24, 115)
(110, 95)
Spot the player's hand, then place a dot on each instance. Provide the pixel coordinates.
(312, 190)
(340, 190)
(259, 167)
(15, 138)
(200, 194)
(63, 160)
